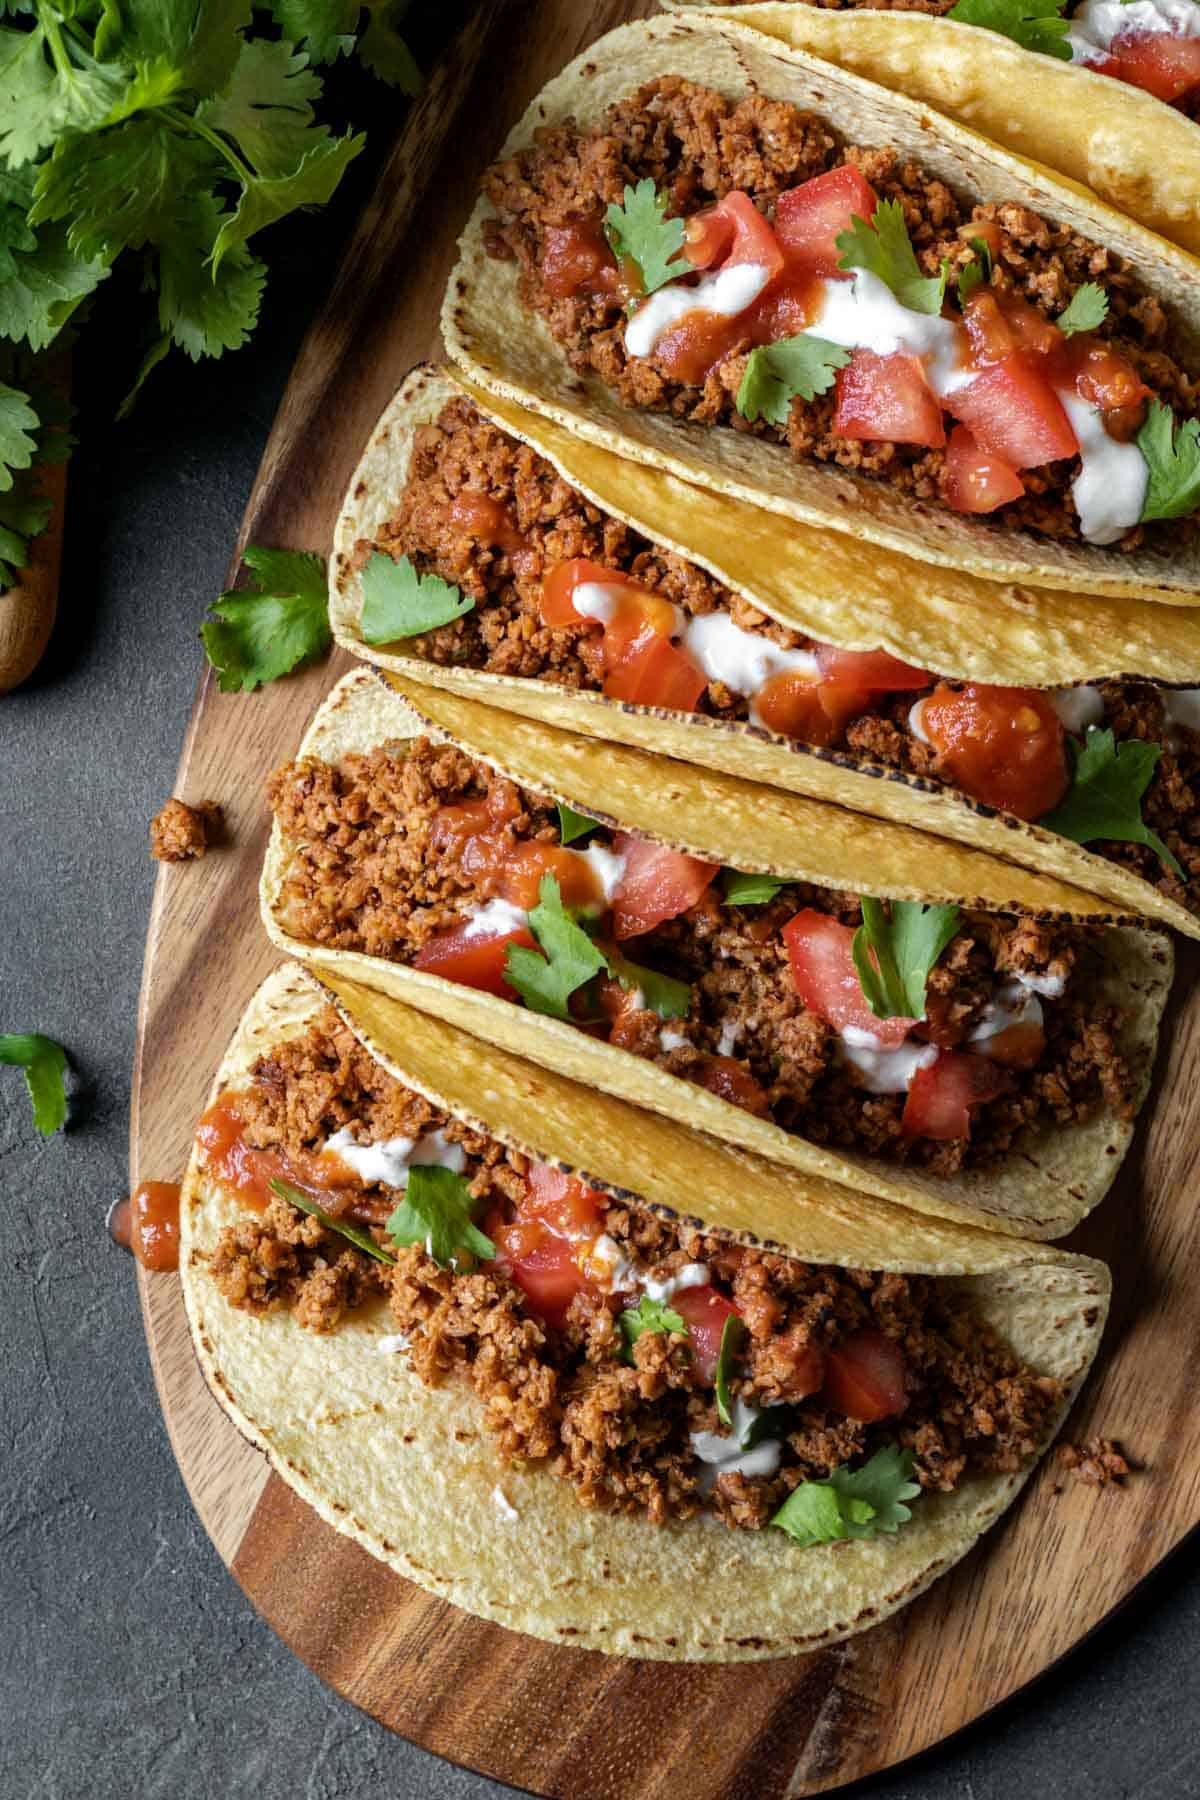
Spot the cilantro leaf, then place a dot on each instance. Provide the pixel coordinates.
(44, 1063)
(852, 1503)
(1034, 24)
(639, 231)
(567, 959)
(1172, 453)
(647, 1315)
(1105, 795)
(24, 512)
(206, 311)
(776, 373)
(45, 93)
(384, 51)
(436, 1213)
(47, 284)
(266, 106)
(905, 948)
(572, 824)
(279, 623)
(325, 28)
(1088, 308)
(662, 994)
(884, 248)
(362, 1240)
(265, 199)
(18, 423)
(742, 889)
(733, 1334)
(123, 188)
(399, 603)
(977, 272)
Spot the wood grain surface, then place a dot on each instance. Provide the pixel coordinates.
(556, 1721)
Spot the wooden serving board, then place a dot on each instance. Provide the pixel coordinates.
(555, 1720)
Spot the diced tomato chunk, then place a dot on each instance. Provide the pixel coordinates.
(704, 1312)
(1018, 1046)
(794, 704)
(1011, 410)
(543, 1246)
(977, 481)
(819, 949)
(886, 399)
(641, 664)
(652, 671)
(725, 1077)
(941, 1096)
(575, 256)
(809, 218)
(731, 232)
(1103, 376)
(875, 671)
(519, 880)
(999, 324)
(476, 962)
(1164, 65)
(1003, 746)
(865, 1377)
(657, 883)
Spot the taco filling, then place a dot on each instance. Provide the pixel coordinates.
(927, 1035)
(1151, 44)
(734, 264)
(662, 1370)
(536, 582)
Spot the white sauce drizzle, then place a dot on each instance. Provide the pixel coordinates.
(884, 1071)
(623, 1271)
(389, 1161)
(1077, 707)
(392, 1344)
(915, 722)
(743, 660)
(596, 600)
(670, 1039)
(730, 1033)
(864, 314)
(495, 919)
(690, 1276)
(504, 1505)
(606, 866)
(1097, 22)
(726, 1456)
(1014, 1004)
(1110, 489)
(730, 291)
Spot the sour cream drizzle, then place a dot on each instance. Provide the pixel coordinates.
(864, 314)
(1097, 23)
(884, 1071)
(742, 660)
(727, 293)
(495, 919)
(1110, 489)
(1014, 1004)
(389, 1161)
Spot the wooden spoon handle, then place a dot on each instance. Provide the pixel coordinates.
(27, 610)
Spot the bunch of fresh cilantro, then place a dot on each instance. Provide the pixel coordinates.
(172, 130)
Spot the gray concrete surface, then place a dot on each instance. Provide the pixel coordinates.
(130, 1664)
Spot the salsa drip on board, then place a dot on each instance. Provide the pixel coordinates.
(147, 1225)
(595, 1334)
(563, 592)
(850, 306)
(428, 858)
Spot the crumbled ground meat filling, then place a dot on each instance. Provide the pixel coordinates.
(698, 146)
(181, 832)
(465, 454)
(1097, 1462)
(619, 1431)
(368, 872)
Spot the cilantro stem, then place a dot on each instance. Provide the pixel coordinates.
(184, 122)
(53, 36)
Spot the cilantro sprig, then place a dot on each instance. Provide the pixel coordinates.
(272, 627)
(1104, 799)
(793, 367)
(1172, 453)
(362, 1240)
(640, 232)
(45, 1064)
(436, 1213)
(399, 603)
(1034, 24)
(743, 889)
(661, 994)
(647, 1315)
(884, 248)
(894, 954)
(852, 1503)
(566, 957)
(34, 417)
(572, 824)
(1087, 310)
(733, 1336)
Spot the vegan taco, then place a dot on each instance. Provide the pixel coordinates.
(751, 268)
(483, 548)
(465, 1306)
(964, 1037)
(1037, 79)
